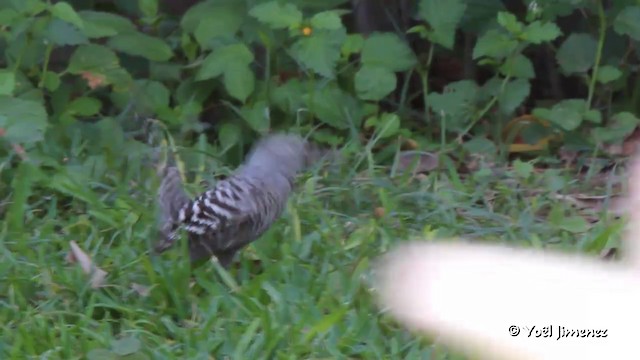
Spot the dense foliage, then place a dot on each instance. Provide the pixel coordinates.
(93, 92)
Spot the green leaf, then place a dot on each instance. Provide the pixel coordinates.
(62, 33)
(523, 169)
(63, 11)
(577, 53)
(388, 125)
(593, 116)
(7, 82)
(628, 22)
(443, 16)
(538, 33)
(514, 94)
(608, 73)
(22, 186)
(352, 45)
(99, 24)
(574, 224)
(139, 44)
(621, 125)
(387, 50)
(239, 81)
(327, 20)
(23, 121)
(148, 8)
(257, 116)
(320, 52)
(229, 135)
(51, 81)
(374, 82)
(126, 346)
(509, 22)
(494, 44)
(456, 104)
(568, 114)
(210, 20)
(99, 60)
(334, 107)
(277, 15)
(84, 106)
(101, 354)
(224, 59)
(518, 66)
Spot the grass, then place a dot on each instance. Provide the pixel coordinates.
(302, 291)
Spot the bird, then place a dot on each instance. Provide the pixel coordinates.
(240, 208)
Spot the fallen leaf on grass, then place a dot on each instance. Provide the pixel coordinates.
(417, 162)
(142, 290)
(88, 267)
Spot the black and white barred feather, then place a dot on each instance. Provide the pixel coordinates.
(240, 208)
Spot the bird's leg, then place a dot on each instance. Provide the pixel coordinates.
(225, 258)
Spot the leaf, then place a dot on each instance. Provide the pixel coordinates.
(538, 33)
(456, 103)
(51, 81)
(101, 354)
(494, 44)
(514, 94)
(388, 125)
(143, 45)
(99, 65)
(99, 24)
(352, 45)
(443, 16)
(574, 224)
(518, 66)
(63, 11)
(229, 135)
(7, 82)
(224, 59)
(608, 73)
(320, 52)
(23, 121)
(334, 107)
(126, 346)
(239, 81)
(577, 53)
(567, 114)
(22, 188)
(509, 22)
(523, 169)
(387, 50)
(277, 15)
(97, 275)
(209, 20)
(257, 116)
(327, 20)
(374, 82)
(62, 33)
(84, 106)
(148, 8)
(628, 22)
(621, 125)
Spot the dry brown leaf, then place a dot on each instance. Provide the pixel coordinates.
(417, 162)
(88, 267)
(142, 290)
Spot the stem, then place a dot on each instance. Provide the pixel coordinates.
(424, 76)
(601, 35)
(45, 66)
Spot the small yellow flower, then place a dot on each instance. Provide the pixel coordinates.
(306, 31)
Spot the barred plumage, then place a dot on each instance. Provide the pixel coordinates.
(240, 208)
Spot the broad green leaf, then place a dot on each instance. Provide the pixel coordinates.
(7, 82)
(63, 11)
(239, 81)
(229, 135)
(326, 20)
(621, 125)
(224, 59)
(126, 346)
(51, 80)
(99, 24)
(335, 107)
(494, 44)
(480, 15)
(151, 95)
(319, 52)
(480, 145)
(387, 50)
(538, 33)
(577, 53)
(277, 15)
(257, 116)
(523, 169)
(388, 125)
(514, 94)
(374, 82)
(593, 115)
(568, 114)
(63, 33)
(443, 16)
(509, 21)
(352, 45)
(84, 106)
(23, 121)
(628, 22)
(518, 66)
(456, 104)
(608, 73)
(148, 8)
(139, 44)
(7, 16)
(101, 63)
(210, 20)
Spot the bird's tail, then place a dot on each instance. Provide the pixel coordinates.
(171, 198)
